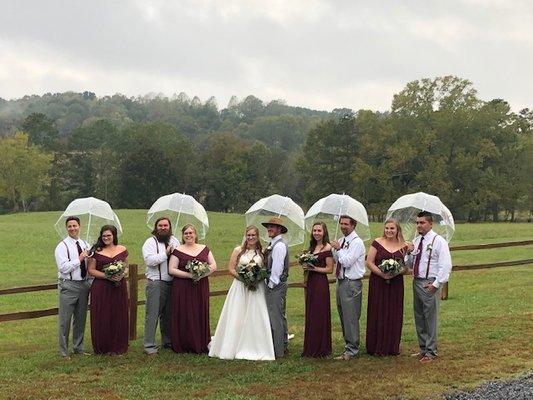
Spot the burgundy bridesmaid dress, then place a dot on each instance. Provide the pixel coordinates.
(109, 310)
(190, 309)
(317, 337)
(385, 309)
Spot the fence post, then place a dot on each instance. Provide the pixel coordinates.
(444, 292)
(133, 286)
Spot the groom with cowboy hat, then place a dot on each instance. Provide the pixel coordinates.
(277, 264)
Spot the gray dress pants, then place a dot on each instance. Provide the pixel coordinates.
(73, 300)
(158, 294)
(276, 305)
(349, 296)
(426, 308)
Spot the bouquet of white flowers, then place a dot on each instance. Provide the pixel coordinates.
(113, 269)
(307, 259)
(251, 274)
(198, 269)
(392, 267)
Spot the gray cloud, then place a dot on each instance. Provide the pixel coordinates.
(315, 53)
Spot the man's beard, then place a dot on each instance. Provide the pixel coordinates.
(163, 237)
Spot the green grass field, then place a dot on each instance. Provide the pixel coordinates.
(485, 330)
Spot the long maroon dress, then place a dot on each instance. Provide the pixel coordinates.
(317, 337)
(190, 308)
(109, 310)
(385, 309)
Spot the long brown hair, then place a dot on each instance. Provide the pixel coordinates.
(99, 245)
(154, 231)
(258, 247)
(325, 238)
(187, 226)
(399, 234)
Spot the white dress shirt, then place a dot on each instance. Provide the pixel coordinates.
(440, 264)
(67, 261)
(352, 257)
(278, 261)
(156, 259)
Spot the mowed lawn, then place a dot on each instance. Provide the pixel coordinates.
(485, 329)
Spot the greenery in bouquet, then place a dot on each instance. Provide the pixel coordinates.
(197, 269)
(113, 269)
(392, 267)
(307, 259)
(251, 274)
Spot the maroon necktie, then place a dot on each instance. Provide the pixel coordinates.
(338, 269)
(418, 257)
(83, 268)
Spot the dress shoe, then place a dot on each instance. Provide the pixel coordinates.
(344, 357)
(427, 359)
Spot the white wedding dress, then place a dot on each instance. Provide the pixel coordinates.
(243, 330)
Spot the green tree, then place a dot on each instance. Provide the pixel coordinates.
(153, 160)
(327, 163)
(41, 130)
(235, 172)
(23, 171)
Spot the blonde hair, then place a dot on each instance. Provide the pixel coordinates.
(399, 235)
(258, 247)
(185, 227)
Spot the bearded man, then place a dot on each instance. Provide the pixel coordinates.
(156, 252)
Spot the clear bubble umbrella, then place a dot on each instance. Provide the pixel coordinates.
(405, 209)
(181, 209)
(329, 209)
(278, 206)
(93, 214)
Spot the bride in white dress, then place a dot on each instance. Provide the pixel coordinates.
(243, 330)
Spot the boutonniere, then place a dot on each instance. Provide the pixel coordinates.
(346, 245)
(268, 249)
(429, 247)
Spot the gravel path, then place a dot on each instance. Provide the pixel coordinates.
(516, 389)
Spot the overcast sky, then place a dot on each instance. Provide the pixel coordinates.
(315, 53)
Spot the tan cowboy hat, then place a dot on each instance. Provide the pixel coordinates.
(275, 221)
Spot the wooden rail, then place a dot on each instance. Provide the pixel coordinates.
(135, 277)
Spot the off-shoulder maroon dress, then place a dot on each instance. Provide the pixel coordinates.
(190, 308)
(317, 337)
(385, 309)
(109, 310)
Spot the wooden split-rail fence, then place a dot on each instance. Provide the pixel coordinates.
(135, 277)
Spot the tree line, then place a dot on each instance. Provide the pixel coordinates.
(438, 137)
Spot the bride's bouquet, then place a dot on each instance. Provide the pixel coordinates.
(251, 274)
(197, 269)
(392, 267)
(112, 269)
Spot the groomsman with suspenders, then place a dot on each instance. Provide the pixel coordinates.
(350, 257)
(74, 286)
(277, 265)
(156, 251)
(432, 264)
